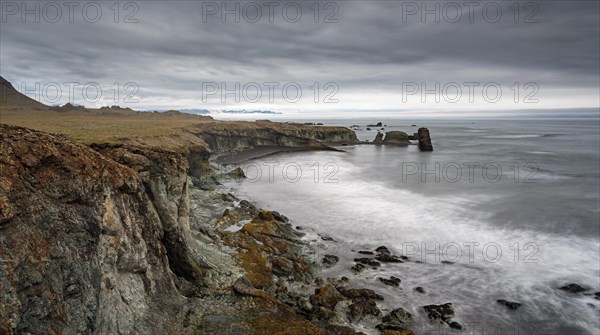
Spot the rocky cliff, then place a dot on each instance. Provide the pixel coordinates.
(222, 137)
(90, 243)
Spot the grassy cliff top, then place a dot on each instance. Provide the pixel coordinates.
(171, 129)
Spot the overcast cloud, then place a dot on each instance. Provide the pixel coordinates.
(180, 52)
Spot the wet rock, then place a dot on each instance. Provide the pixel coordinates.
(392, 281)
(447, 262)
(326, 296)
(597, 295)
(367, 261)
(358, 310)
(379, 124)
(420, 289)
(247, 204)
(510, 304)
(280, 217)
(439, 313)
(383, 250)
(330, 260)
(358, 268)
(397, 317)
(357, 294)
(424, 140)
(573, 288)
(454, 325)
(365, 252)
(368, 128)
(396, 138)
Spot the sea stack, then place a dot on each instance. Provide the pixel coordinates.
(424, 140)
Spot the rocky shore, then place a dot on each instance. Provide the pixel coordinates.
(122, 239)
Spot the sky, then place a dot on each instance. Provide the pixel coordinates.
(305, 57)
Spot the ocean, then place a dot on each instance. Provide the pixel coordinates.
(501, 209)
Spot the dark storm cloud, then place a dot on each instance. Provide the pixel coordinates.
(374, 44)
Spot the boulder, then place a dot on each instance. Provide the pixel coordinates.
(398, 316)
(396, 138)
(326, 296)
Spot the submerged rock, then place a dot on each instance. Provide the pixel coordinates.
(330, 260)
(367, 261)
(573, 288)
(392, 281)
(510, 304)
(420, 289)
(358, 268)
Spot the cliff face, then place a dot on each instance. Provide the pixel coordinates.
(235, 137)
(88, 244)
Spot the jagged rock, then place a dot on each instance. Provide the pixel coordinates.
(424, 140)
(439, 313)
(358, 310)
(383, 250)
(573, 288)
(392, 281)
(330, 260)
(396, 138)
(378, 124)
(509, 304)
(326, 296)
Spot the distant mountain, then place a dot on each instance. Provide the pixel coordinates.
(11, 98)
(243, 111)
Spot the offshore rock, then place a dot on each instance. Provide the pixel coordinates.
(424, 140)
